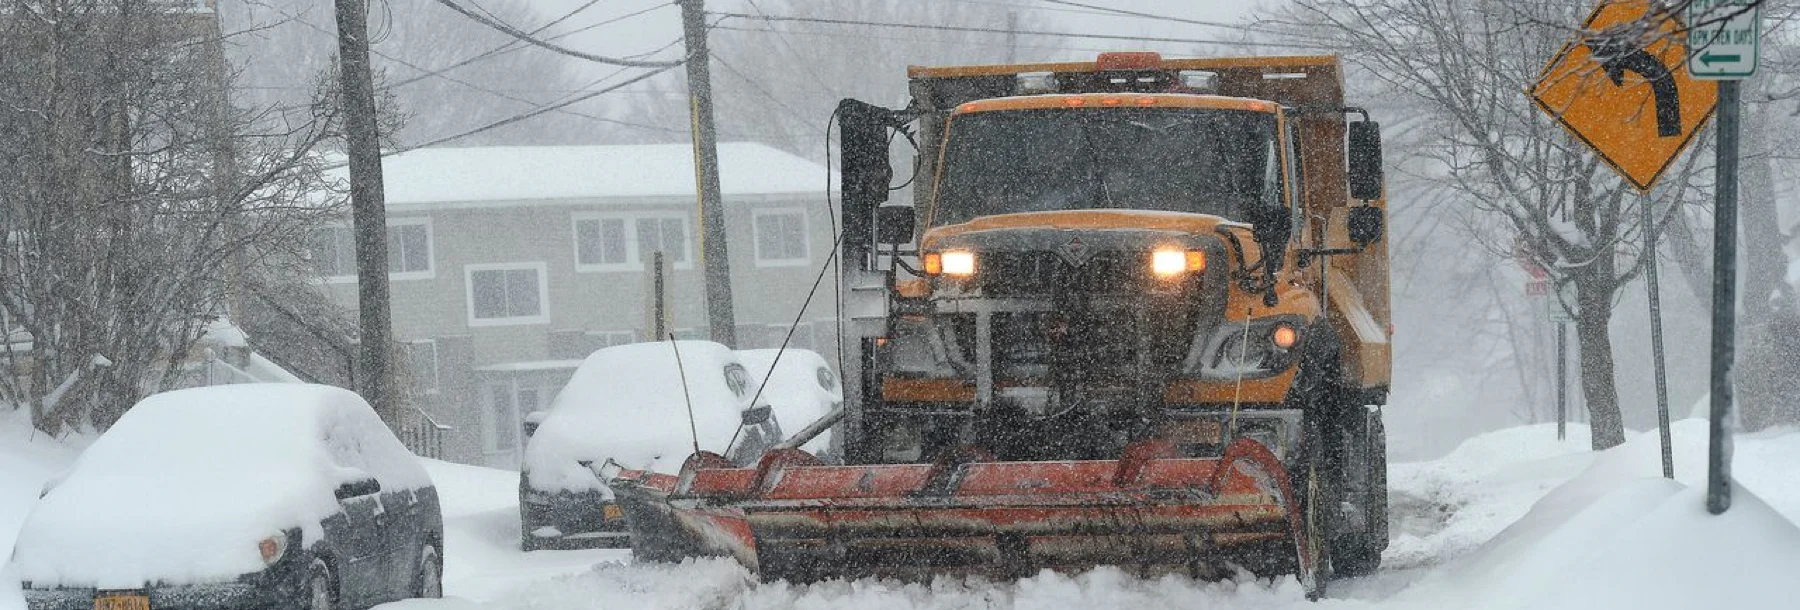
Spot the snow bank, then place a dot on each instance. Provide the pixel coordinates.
(187, 482)
(27, 459)
(1619, 536)
(626, 403)
(801, 389)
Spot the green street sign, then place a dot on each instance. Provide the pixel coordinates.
(1724, 38)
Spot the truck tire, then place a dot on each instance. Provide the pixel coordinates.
(1359, 553)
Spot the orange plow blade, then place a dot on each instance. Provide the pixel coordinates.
(1150, 512)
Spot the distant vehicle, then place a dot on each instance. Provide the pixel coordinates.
(241, 496)
(625, 407)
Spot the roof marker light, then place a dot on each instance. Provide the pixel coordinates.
(1074, 101)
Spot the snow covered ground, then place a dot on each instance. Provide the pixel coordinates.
(1511, 519)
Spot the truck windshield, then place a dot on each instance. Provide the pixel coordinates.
(1205, 161)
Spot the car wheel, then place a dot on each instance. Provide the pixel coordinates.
(320, 594)
(430, 581)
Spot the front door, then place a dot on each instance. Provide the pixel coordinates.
(502, 433)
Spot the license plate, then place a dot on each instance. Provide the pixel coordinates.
(608, 513)
(121, 601)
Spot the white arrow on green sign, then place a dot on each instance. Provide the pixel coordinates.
(1724, 38)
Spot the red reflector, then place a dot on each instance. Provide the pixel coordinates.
(1129, 60)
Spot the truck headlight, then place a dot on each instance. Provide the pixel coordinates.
(1265, 348)
(954, 262)
(1169, 262)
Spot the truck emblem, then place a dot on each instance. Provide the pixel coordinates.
(1076, 252)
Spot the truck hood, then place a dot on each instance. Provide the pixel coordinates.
(1127, 220)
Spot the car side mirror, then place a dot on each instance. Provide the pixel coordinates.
(357, 488)
(756, 416)
(1365, 160)
(1273, 226)
(1366, 223)
(894, 224)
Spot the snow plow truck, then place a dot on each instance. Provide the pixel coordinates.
(1136, 315)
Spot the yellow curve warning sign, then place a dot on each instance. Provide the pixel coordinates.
(1623, 88)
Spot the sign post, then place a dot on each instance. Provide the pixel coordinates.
(1724, 40)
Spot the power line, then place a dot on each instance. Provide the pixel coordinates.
(765, 93)
(806, 65)
(540, 110)
(1130, 13)
(527, 38)
(908, 39)
(508, 45)
(954, 28)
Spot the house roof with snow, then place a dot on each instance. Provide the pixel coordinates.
(488, 176)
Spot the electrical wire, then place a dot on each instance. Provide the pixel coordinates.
(529, 39)
(511, 45)
(758, 88)
(801, 59)
(1130, 13)
(955, 28)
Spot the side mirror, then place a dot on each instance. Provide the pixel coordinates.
(1365, 160)
(866, 172)
(1366, 223)
(756, 416)
(894, 224)
(358, 488)
(1273, 226)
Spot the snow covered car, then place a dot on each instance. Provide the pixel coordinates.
(240, 496)
(801, 389)
(625, 406)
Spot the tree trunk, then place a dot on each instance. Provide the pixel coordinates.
(1594, 340)
(1766, 373)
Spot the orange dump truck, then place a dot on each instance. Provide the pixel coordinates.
(1136, 315)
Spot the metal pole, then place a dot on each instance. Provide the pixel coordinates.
(368, 211)
(1562, 381)
(659, 309)
(1718, 462)
(1656, 340)
(721, 320)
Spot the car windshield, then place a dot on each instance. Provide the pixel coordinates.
(1205, 161)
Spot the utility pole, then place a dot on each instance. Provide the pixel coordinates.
(721, 320)
(368, 207)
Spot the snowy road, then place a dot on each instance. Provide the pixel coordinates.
(1496, 524)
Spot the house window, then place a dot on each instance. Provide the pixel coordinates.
(333, 251)
(628, 242)
(424, 357)
(780, 237)
(409, 249)
(602, 339)
(507, 294)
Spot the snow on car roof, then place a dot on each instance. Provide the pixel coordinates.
(187, 482)
(625, 403)
(801, 390)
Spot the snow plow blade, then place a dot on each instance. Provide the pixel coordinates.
(1150, 512)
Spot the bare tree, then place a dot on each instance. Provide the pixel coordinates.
(1468, 64)
(133, 198)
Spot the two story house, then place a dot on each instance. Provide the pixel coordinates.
(510, 264)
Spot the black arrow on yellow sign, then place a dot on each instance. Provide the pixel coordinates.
(1619, 54)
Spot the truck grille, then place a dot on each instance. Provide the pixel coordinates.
(1006, 274)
